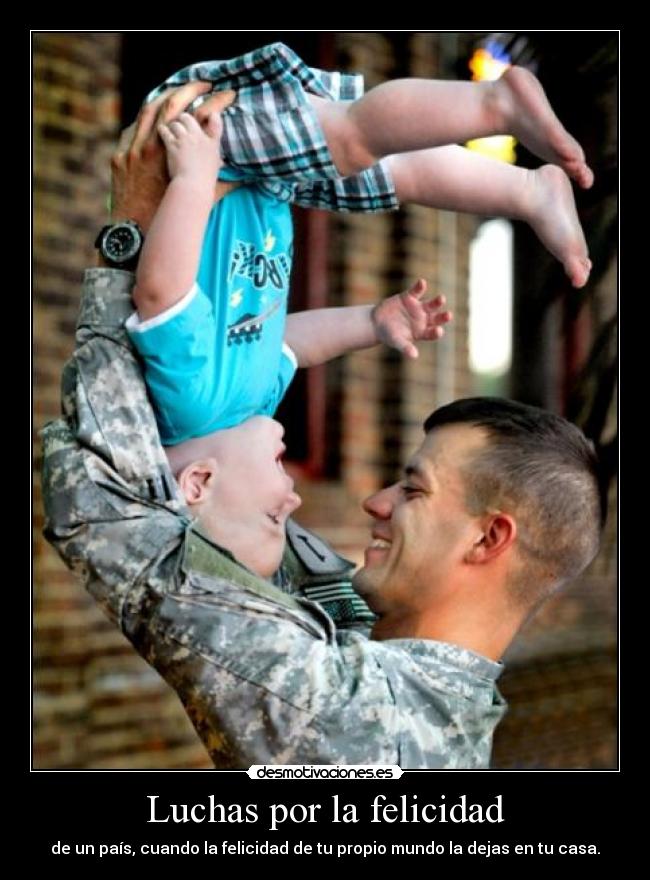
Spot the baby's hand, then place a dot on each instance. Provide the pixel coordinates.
(403, 319)
(193, 152)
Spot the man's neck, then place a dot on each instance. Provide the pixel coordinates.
(485, 631)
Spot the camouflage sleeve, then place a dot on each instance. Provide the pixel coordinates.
(264, 676)
(112, 507)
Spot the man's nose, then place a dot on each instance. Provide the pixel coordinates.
(380, 505)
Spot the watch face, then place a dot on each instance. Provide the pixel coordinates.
(121, 243)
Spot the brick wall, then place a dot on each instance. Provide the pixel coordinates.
(96, 703)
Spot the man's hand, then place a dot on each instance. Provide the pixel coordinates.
(139, 166)
(402, 320)
(205, 107)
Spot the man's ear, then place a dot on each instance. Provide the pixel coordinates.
(498, 533)
(197, 479)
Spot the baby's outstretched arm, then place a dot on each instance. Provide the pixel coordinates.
(400, 321)
(170, 256)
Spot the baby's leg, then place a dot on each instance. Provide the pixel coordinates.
(456, 179)
(415, 114)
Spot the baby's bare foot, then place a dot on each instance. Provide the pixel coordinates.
(552, 214)
(527, 114)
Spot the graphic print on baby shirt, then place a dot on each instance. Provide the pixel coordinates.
(262, 271)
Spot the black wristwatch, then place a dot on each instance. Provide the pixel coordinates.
(120, 244)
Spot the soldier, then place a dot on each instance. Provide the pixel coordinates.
(498, 508)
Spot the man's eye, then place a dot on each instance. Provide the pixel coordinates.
(410, 491)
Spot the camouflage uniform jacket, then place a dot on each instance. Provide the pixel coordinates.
(265, 675)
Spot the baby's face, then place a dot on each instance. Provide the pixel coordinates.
(253, 495)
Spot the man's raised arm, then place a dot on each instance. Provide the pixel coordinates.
(113, 510)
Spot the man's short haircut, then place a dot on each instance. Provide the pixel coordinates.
(543, 470)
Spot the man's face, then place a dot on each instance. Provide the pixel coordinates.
(252, 494)
(422, 529)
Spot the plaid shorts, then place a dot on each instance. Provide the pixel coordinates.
(272, 135)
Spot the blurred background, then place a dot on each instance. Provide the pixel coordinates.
(520, 330)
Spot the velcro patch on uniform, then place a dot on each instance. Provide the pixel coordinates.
(317, 556)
